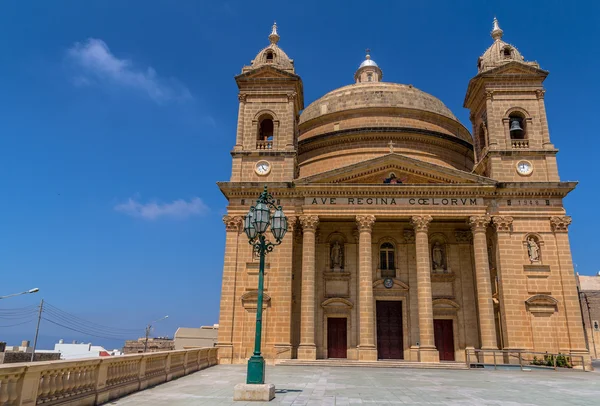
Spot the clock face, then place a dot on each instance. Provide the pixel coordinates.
(262, 168)
(524, 167)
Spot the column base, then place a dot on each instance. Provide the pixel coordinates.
(414, 353)
(428, 354)
(307, 351)
(367, 353)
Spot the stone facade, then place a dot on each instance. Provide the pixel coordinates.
(589, 295)
(408, 237)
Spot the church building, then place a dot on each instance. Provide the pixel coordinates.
(410, 236)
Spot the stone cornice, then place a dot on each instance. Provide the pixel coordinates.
(375, 133)
(289, 190)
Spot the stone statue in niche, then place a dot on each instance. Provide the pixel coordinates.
(337, 256)
(438, 257)
(533, 249)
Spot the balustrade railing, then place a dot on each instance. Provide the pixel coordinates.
(266, 144)
(520, 144)
(95, 381)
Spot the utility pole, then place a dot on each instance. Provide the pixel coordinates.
(148, 327)
(37, 329)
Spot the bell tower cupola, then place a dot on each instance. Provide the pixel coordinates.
(368, 71)
(510, 128)
(270, 99)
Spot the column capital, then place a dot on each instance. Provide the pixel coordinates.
(365, 223)
(560, 224)
(421, 223)
(292, 220)
(309, 223)
(233, 223)
(502, 223)
(479, 223)
(242, 97)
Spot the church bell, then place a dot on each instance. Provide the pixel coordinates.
(515, 125)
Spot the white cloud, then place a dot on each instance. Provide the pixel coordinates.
(96, 63)
(179, 209)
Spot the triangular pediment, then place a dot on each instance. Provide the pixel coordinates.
(266, 71)
(516, 68)
(397, 169)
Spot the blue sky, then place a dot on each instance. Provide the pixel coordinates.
(117, 118)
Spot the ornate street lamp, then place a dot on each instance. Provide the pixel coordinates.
(256, 223)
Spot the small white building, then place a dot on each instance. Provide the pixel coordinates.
(83, 350)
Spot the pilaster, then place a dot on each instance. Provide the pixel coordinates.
(307, 349)
(233, 227)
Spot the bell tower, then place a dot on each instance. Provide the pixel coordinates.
(510, 128)
(270, 97)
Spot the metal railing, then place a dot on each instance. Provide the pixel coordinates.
(524, 359)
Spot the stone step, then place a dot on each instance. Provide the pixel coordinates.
(372, 364)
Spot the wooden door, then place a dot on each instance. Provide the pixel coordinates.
(444, 339)
(389, 330)
(337, 335)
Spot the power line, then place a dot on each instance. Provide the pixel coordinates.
(90, 324)
(18, 324)
(66, 320)
(82, 332)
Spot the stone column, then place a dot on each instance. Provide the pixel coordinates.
(366, 312)
(233, 226)
(570, 303)
(307, 349)
(485, 305)
(427, 350)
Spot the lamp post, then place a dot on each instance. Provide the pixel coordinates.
(148, 328)
(256, 223)
(34, 290)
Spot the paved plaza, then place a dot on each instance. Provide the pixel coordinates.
(297, 385)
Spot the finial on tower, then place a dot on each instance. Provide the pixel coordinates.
(496, 30)
(274, 37)
(368, 51)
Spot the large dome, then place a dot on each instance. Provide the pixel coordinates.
(372, 118)
(375, 94)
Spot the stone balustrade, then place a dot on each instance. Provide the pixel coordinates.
(520, 144)
(94, 381)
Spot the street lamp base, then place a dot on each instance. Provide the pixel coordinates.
(264, 393)
(256, 370)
